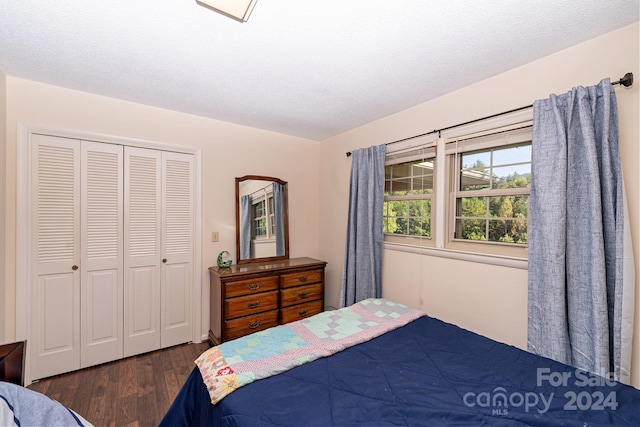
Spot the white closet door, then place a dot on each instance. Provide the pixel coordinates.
(177, 248)
(101, 265)
(55, 219)
(142, 225)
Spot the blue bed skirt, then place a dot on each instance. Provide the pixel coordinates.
(426, 373)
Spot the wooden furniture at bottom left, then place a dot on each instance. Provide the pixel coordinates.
(12, 362)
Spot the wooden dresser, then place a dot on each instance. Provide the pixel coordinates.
(247, 298)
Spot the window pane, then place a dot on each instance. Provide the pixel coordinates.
(420, 218)
(394, 213)
(419, 227)
(509, 155)
(258, 209)
(401, 169)
(475, 171)
(260, 227)
(518, 176)
(423, 169)
(409, 178)
(509, 206)
(400, 226)
(400, 186)
(397, 208)
(471, 229)
(476, 160)
(407, 217)
(474, 179)
(508, 231)
(472, 207)
(395, 225)
(496, 168)
(422, 184)
(494, 218)
(420, 208)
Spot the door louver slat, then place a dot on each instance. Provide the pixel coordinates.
(103, 214)
(142, 206)
(56, 211)
(178, 209)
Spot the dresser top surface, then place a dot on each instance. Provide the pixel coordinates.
(258, 267)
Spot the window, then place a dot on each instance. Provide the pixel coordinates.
(479, 182)
(492, 197)
(271, 210)
(262, 216)
(259, 215)
(408, 196)
(489, 186)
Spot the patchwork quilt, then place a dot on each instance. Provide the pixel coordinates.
(236, 363)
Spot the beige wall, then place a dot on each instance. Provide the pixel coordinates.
(228, 151)
(490, 300)
(3, 139)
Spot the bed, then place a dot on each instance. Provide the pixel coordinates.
(426, 372)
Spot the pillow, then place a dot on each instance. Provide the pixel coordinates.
(20, 406)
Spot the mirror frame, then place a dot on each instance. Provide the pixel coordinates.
(286, 219)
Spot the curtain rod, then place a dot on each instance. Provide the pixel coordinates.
(626, 81)
(259, 190)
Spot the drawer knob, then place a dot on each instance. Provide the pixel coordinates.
(253, 304)
(254, 325)
(254, 286)
(302, 278)
(303, 295)
(302, 313)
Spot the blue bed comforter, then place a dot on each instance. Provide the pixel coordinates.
(426, 373)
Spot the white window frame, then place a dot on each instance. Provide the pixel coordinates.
(263, 196)
(441, 203)
(417, 149)
(499, 138)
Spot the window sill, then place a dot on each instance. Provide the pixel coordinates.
(503, 261)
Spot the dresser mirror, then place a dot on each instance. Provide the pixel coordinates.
(262, 219)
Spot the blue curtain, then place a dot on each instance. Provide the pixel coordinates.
(576, 231)
(278, 216)
(362, 275)
(245, 227)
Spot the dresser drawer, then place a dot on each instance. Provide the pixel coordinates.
(250, 304)
(251, 286)
(301, 278)
(246, 325)
(255, 296)
(300, 294)
(300, 311)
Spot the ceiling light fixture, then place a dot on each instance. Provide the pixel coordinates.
(235, 9)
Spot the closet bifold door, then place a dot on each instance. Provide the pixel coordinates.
(101, 266)
(55, 255)
(142, 254)
(177, 248)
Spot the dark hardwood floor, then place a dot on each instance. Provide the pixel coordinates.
(136, 391)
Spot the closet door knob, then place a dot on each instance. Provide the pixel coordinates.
(74, 268)
(164, 260)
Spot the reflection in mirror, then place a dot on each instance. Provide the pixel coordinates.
(261, 219)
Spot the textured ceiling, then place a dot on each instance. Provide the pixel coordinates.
(311, 68)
